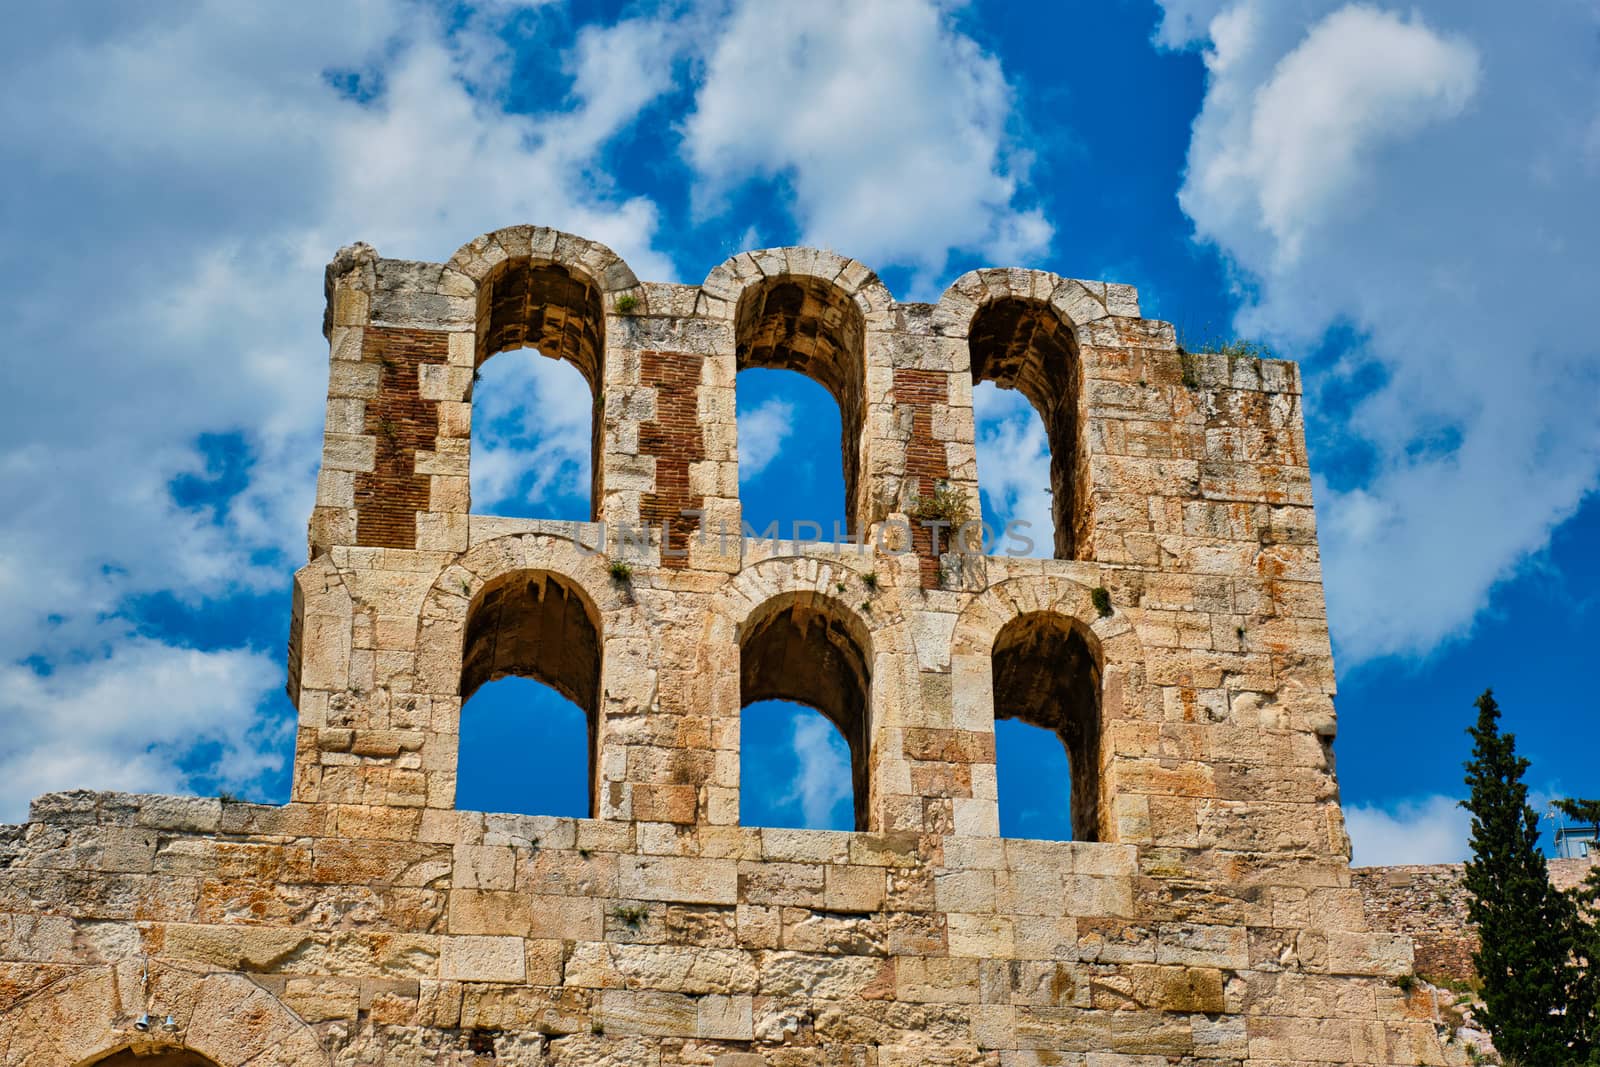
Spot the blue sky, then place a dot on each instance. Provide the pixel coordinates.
(1399, 196)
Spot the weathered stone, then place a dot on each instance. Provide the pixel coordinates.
(1176, 644)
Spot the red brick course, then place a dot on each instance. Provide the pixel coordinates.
(389, 496)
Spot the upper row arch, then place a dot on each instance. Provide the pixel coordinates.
(1078, 302)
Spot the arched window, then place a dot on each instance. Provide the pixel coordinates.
(807, 649)
(515, 749)
(790, 464)
(805, 324)
(1047, 675)
(1025, 345)
(537, 432)
(172, 1058)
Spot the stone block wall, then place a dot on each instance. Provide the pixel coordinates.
(1177, 644)
(1428, 904)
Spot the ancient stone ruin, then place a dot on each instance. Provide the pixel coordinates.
(1204, 913)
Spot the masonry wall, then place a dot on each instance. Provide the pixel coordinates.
(1208, 917)
(1428, 904)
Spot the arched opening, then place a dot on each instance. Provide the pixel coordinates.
(1047, 675)
(1035, 782)
(790, 464)
(539, 626)
(532, 441)
(805, 324)
(797, 746)
(806, 649)
(158, 1058)
(1025, 345)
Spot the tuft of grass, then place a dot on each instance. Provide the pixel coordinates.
(1406, 983)
(621, 571)
(870, 580)
(947, 504)
(1100, 597)
(227, 798)
(1211, 343)
(631, 915)
(1189, 363)
(627, 305)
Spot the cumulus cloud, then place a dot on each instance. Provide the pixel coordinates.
(762, 431)
(1432, 829)
(887, 126)
(823, 782)
(133, 718)
(187, 171)
(1419, 182)
(532, 425)
(1014, 464)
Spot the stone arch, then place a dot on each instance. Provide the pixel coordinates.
(540, 288)
(727, 281)
(1078, 302)
(809, 311)
(540, 605)
(791, 607)
(87, 1018)
(1021, 333)
(481, 255)
(1007, 649)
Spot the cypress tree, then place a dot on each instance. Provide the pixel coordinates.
(1525, 926)
(1585, 1005)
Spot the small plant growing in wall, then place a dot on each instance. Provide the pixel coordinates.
(947, 504)
(631, 915)
(627, 305)
(1100, 597)
(1189, 364)
(621, 571)
(870, 580)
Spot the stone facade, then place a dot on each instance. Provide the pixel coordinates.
(1428, 903)
(1205, 915)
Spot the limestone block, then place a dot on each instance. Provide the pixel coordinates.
(482, 959)
(693, 881)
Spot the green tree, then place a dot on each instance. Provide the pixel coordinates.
(1585, 1006)
(1527, 928)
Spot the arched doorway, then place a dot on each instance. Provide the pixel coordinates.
(156, 1058)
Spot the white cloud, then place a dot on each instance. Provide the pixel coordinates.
(187, 171)
(762, 432)
(1420, 180)
(1014, 464)
(1362, 78)
(823, 782)
(887, 125)
(531, 433)
(1432, 829)
(130, 719)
